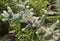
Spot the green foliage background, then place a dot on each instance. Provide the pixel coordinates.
(38, 5)
(5, 3)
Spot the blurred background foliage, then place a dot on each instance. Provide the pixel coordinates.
(38, 5)
(5, 3)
